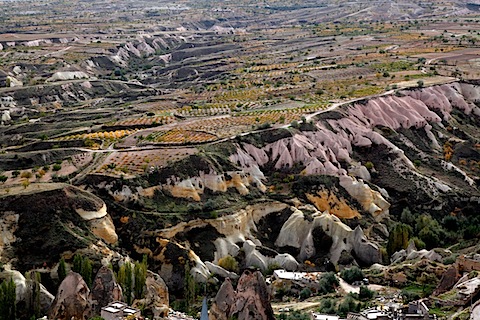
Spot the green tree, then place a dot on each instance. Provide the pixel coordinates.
(124, 277)
(352, 274)
(305, 293)
(62, 270)
(348, 305)
(327, 306)
(189, 288)
(33, 294)
(429, 231)
(77, 263)
(398, 238)
(3, 178)
(87, 272)
(8, 305)
(365, 293)
(327, 283)
(140, 277)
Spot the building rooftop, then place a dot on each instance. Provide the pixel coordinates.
(288, 275)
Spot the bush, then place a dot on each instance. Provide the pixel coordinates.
(348, 305)
(3, 178)
(409, 296)
(56, 167)
(327, 306)
(398, 238)
(228, 263)
(272, 267)
(305, 293)
(420, 83)
(263, 126)
(26, 174)
(365, 293)
(327, 283)
(352, 274)
(369, 165)
(450, 223)
(419, 244)
(294, 315)
(450, 260)
(429, 231)
(15, 173)
(295, 124)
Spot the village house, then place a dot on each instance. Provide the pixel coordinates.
(119, 311)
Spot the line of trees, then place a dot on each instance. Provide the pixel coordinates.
(131, 278)
(84, 267)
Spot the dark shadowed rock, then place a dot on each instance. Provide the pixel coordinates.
(250, 301)
(72, 300)
(224, 301)
(449, 278)
(105, 289)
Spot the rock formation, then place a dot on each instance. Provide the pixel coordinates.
(104, 290)
(72, 300)
(23, 288)
(250, 301)
(449, 278)
(156, 301)
(297, 233)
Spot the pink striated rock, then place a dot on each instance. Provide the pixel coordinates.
(105, 289)
(72, 300)
(251, 300)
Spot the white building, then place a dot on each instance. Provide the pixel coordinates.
(281, 274)
(119, 311)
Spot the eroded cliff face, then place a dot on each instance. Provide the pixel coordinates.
(42, 221)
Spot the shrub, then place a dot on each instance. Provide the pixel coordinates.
(228, 263)
(348, 305)
(305, 293)
(294, 315)
(420, 83)
(352, 274)
(450, 260)
(56, 167)
(62, 270)
(25, 183)
(15, 173)
(419, 244)
(263, 126)
(398, 238)
(3, 178)
(327, 283)
(365, 293)
(26, 174)
(272, 267)
(327, 306)
(450, 223)
(369, 165)
(295, 124)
